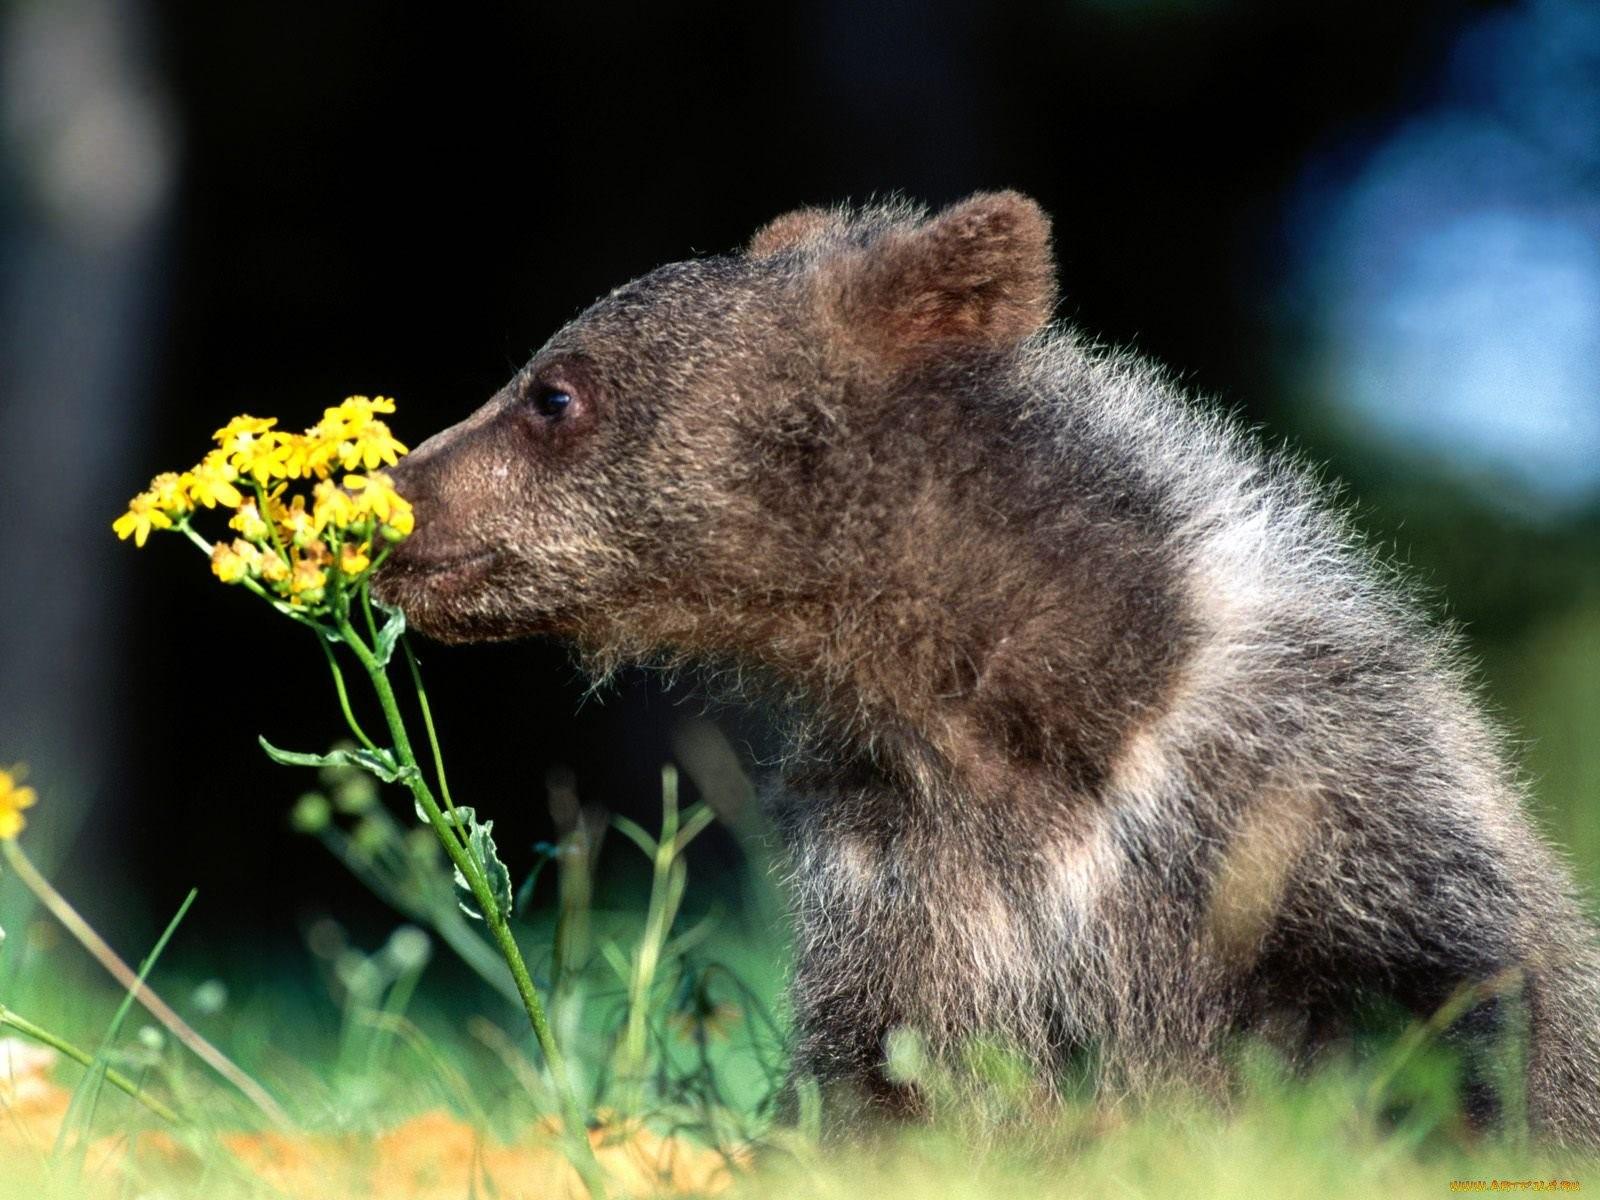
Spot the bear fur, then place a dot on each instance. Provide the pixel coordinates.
(1109, 738)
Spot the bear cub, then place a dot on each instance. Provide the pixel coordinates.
(1110, 740)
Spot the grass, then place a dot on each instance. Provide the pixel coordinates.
(400, 1082)
(1285, 1137)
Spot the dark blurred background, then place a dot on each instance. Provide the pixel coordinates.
(1373, 228)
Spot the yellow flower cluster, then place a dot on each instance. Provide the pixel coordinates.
(13, 799)
(291, 545)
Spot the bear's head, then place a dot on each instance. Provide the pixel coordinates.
(715, 441)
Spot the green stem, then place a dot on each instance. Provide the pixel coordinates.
(264, 510)
(344, 696)
(366, 607)
(427, 723)
(188, 532)
(451, 837)
(84, 1059)
(287, 610)
(666, 890)
(442, 913)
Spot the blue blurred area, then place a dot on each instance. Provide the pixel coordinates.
(1452, 260)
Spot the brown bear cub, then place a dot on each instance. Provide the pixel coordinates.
(1113, 742)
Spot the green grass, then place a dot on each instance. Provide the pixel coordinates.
(1340, 1132)
(674, 1014)
(677, 1020)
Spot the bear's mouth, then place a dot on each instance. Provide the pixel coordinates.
(405, 575)
(434, 566)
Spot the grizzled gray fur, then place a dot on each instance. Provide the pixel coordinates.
(1111, 736)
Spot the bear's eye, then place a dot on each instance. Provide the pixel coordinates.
(551, 401)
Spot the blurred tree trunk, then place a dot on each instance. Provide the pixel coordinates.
(87, 159)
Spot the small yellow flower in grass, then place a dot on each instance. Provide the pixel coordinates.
(712, 1020)
(13, 799)
(213, 482)
(144, 514)
(234, 563)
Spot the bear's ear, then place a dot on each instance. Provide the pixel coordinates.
(793, 231)
(978, 274)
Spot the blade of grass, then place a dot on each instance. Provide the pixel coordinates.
(14, 1020)
(157, 1007)
(86, 1096)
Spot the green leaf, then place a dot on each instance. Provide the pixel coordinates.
(635, 833)
(464, 816)
(389, 635)
(378, 762)
(694, 824)
(612, 953)
(690, 938)
(480, 844)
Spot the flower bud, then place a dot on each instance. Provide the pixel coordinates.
(311, 813)
(247, 520)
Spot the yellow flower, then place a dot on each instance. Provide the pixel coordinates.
(13, 799)
(348, 435)
(294, 522)
(143, 515)
(213, 482)
(318, 554)
(292, 543)
(333, 506)
(171, 491)
(376, 495)
(233, 563)
(353, 559)
(713, 1020)
(307, 455)
(248, 521)
(371, 447)
(251, 447)
(273, 569)
(307, 582)
(266, 458)
(357, 411)
(239, 432)
(352, 433)
(399, 525)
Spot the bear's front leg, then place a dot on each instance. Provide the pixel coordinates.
(842, 1024)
